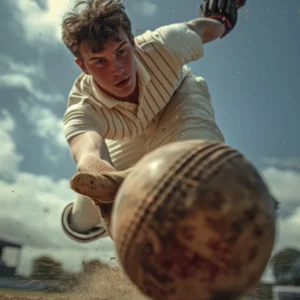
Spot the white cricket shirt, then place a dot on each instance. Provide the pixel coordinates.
(161, 56)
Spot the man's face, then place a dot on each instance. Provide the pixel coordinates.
(113, 69)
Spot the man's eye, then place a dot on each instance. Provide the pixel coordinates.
(122, 52)
(100, 62)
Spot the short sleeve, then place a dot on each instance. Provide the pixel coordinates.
(181, 41)
(79, 118)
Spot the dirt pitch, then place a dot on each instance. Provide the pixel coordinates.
(107, 284)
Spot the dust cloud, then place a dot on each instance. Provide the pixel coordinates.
(105, 284)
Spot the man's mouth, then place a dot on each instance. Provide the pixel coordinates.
(123, 82)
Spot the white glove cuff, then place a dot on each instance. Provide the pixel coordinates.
(91, 235)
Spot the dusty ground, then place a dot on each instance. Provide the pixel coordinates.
(108, 284)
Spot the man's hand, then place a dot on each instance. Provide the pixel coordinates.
(225, 11)
(102, 188)
(240, 3)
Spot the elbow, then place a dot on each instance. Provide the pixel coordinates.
(207, 29)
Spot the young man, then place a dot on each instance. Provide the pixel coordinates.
(134, 95)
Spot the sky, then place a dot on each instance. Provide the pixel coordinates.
(253, 75)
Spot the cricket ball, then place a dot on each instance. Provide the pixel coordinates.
(194, 220)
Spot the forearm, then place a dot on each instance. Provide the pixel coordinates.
(94, 163)
(82, 216)
(207, 29)
(90, 153)
(81, 219)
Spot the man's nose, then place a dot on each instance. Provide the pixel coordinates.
(118, 68)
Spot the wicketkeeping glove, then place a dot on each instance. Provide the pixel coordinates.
(224, 11)
(101, 188)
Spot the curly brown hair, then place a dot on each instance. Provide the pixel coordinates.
(99, 22)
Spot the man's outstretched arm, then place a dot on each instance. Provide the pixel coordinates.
(90, 153)
(184, 40)
(207, 29)
(81, 220)
(217, 18)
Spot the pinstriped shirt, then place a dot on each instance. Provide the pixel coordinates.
(161, 57)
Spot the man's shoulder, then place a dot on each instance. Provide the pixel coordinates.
(85, 94)
(160, 34)
(177, 43)
(80, 89)
(81, 83)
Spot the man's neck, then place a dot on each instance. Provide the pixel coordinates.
(132, 98)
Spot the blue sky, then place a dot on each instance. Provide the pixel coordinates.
(254, 79)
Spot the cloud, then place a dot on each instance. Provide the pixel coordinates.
(31, 209)
(25, 76)
(285, 186)
(31, 206)
(288, 230)
(30, 212)
(47, 126)
(10, 160)
(145, 8)
(26, 197)
(288, 236)
(287, 162)
(41, 23)
(11, 65)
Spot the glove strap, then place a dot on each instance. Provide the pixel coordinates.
(222, 19)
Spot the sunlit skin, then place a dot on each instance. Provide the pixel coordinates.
(110, 67)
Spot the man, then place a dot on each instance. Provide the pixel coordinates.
(134, 95)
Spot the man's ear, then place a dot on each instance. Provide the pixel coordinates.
(81, 65)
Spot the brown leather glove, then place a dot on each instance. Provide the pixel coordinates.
(101, 188)
(225, 11)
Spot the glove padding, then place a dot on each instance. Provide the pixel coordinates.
(102, 188)
(224, 11)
